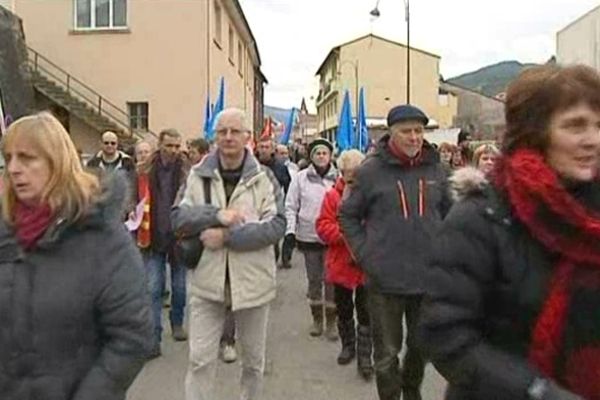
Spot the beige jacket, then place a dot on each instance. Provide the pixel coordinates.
(248, 252)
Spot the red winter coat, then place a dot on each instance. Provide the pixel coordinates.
(341, 268)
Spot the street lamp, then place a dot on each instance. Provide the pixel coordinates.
(355, 65)
(376, 14)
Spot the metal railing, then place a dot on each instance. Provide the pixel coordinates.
(82, 92)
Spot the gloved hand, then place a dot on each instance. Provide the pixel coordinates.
(291, 239)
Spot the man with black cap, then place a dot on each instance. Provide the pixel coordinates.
(389, 220)
(302, 207)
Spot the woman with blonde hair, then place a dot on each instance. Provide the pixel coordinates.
(76, 316)
(343, 272)
(475, 177)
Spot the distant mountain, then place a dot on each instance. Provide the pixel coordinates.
(490, 80)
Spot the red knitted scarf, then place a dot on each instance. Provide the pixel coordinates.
(31, 223)
(565, 342)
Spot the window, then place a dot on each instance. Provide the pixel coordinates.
(100, 14)
(218, 36)
(138, 116)
(230, 44)
(240, 58)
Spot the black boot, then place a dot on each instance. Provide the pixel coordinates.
(317, 313)
(365, 350)
(348, 335)
(411, 394)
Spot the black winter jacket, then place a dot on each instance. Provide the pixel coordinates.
(281, 173)
(76, 321)
(486, 287)
(391, 217)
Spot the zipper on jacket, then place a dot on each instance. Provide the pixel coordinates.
(421, 197)
(403, 201)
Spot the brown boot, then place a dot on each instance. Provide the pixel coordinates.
(331, 332)
(178, 333)
(317, 313)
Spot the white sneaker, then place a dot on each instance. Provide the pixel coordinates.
(229, 354)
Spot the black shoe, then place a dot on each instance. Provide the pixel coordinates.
(348, 335)
(155, 352)
(346, 355)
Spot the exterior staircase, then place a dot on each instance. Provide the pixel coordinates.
(79, 99)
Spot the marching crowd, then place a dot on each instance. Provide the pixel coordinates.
(485, 261)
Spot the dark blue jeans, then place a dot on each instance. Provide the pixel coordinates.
(156, 266)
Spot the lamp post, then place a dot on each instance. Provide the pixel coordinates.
(376, 14)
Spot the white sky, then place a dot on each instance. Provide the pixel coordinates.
(294, 36)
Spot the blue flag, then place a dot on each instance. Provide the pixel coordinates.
(345, 129)
(285, 138)
(219, 106)
(207, 116)
(362, 132)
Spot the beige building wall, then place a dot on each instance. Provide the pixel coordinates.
(579, 42)
(381, 69)
(166, 56)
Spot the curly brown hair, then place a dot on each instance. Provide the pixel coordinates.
(537, 94)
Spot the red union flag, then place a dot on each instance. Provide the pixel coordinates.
(267, 131)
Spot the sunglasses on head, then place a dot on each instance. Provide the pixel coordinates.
(110, 143)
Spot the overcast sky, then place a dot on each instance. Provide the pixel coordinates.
(294, 36)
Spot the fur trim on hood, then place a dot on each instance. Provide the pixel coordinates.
(465, 182)
(111, 203)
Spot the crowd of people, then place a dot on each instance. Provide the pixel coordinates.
(483, 259)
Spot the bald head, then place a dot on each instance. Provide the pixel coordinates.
(110, 141)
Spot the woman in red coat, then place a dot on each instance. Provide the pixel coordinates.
(343, 272)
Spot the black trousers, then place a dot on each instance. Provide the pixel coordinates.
(347, 300)
(387, 312)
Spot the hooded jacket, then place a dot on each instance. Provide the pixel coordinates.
(75, 310)
(391, 217)
(341, 267)
(303, 202)
(486, 286)
(248, 252)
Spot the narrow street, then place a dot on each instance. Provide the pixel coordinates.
(298, 367)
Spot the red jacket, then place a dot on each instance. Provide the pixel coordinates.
(341, 268)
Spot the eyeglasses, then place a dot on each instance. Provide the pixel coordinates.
(110, 143)
(234, 132)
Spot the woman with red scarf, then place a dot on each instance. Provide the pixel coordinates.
(76, 321)
(513, 304)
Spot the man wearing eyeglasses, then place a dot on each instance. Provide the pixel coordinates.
(236, 271)
(109, 158)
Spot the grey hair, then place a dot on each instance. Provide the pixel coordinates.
(237, 113)
(350, 159)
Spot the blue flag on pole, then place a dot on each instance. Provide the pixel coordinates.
(362, 132)
(207, 116)
(345, 129)
(219, 106)
(285, 138)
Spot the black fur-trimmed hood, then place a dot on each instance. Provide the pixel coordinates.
(466, 182)
(111, 203)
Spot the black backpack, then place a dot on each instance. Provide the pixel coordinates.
(189, 248)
